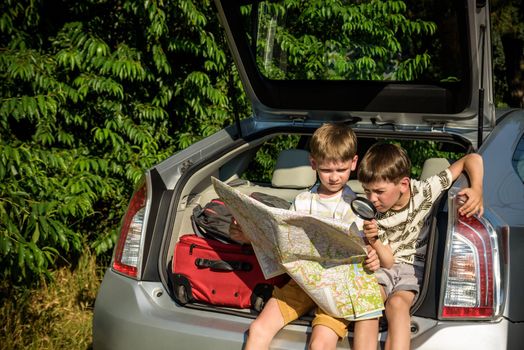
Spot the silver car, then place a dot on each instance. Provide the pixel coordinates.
(473, 283)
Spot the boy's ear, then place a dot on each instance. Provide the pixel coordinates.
(404, 184)
(313, 163)
(354, 162)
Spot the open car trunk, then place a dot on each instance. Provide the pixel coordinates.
(239, 167)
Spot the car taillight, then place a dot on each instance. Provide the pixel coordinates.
(128, 249)
(472, 267)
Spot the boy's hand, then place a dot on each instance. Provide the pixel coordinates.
(473, 165)
(236, 233)
(372, 263)
(371, 231)
(473, 202)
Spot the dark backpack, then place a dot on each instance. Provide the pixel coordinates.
(270, 200)
(213, 219)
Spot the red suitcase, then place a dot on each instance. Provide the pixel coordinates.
(216, 273)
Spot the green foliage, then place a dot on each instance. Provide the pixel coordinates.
(507, 36)
(368, 40)
(93, 94)
(419, 151)
(262, 166)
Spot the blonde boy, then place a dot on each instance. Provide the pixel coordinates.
(333, 156)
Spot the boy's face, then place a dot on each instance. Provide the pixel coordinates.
(333, 175)
(387, 195)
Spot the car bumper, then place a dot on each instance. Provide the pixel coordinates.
(452, 335)
(141, 315)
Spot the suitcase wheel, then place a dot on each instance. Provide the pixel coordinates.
(181, 294)
(261, 293)
(182, 289)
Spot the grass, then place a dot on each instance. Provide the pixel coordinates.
(56, 315)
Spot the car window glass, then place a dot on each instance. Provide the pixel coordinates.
(356, 40)
(518, 159)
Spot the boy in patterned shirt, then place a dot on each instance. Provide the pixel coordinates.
(333, 156)
(403, 223)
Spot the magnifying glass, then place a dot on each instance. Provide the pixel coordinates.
(363, 208)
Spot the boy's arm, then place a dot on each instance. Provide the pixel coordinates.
(236, 233)
(473, 165)
(385, 255)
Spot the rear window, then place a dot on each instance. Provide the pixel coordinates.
(356, 40)
(356, 55)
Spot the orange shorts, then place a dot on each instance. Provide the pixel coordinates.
(293, 302)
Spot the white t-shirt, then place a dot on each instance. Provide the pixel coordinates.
(407, 230)
(336, 207)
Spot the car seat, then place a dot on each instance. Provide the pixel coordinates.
(293, 170)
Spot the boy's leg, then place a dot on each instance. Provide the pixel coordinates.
(323, 338)
(265, 326)
(401, 285)
(397, 314)
(287, 304)
(327, 331)
(365, 335)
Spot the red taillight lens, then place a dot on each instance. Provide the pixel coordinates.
(127, 252)
(470, 285)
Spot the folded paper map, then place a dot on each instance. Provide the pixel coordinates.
(324, 256)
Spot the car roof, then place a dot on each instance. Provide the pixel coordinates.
(425, 100)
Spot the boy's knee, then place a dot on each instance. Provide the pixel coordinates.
(321, 344)
(397, 302)
(323, 338)
(257, 329)
(260, 330)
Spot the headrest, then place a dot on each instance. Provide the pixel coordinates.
(293, 170)
(433, 166)
(356, 186)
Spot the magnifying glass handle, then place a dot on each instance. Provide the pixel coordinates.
(374, 238)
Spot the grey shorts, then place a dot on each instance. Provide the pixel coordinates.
(400, 277)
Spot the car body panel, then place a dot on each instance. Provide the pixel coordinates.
(460, 336)
(507, 197)
(504, 194)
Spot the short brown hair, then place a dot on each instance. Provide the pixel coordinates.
(333, 142)
(384, 162)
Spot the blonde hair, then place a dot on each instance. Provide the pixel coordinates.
(333, 142)
(384, 162)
